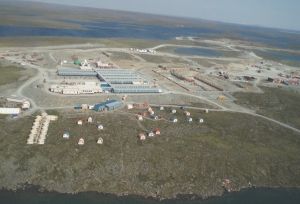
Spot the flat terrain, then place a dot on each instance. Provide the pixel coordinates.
(12, 76)
(186, 158)
(250, 137)
(277, 103)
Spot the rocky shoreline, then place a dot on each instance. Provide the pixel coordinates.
(181, 197)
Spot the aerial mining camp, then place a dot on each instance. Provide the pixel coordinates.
(117, 79)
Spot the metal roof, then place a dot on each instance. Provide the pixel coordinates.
(113, 104)
(71, 72)
(121, 80)
(105, 103)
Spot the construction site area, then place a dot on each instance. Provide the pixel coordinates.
(115, 70)
(101, 73)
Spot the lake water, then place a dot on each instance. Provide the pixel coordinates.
(108, 30)
(198, 51)
(268, 36)
(247, 196)
(282, 56)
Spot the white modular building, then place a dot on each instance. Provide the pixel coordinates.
(85, 68)
(70, 91)
(90, 83)
(89, 89)
(26, 105)
(10, 111)
(151, 50)
(76, 89)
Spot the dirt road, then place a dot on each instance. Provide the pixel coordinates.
(42, 73)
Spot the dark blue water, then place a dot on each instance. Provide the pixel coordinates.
(198, 51)
(282, 56)
(268, 36)
(276, 38)
(247, 196)
(108, 30)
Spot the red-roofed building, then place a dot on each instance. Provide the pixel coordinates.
(156, 131)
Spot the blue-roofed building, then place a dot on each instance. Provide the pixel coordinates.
(78, 106)
(100, 127)
(173, 110)
(189, 119)
(154, 117)
(200, 120)
(108, 105)
(113, 105)
(182, 107)
(75, 72)
(15, 115)
(150, 133)
(101, 106)
(174, 120)
(66, 135)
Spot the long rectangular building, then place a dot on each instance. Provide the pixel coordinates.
(76, 89)
(75, 72)
(117, 80)
(10, 110)
(108, 105)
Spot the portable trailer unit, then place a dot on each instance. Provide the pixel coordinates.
(66, 135)
(189, 119)
(154, 117)
(200, 120)
(78, 106)
(174, 120)
(10, 111)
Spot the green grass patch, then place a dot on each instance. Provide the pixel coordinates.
(10, 74)
(187, 155)
(276, 103)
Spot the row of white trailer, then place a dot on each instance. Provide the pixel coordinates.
(40, 128)
(76, 89)
(10, 111)
(142, 50)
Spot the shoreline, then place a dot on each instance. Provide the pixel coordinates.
(179, 197)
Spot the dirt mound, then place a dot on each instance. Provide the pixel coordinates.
(235, 66)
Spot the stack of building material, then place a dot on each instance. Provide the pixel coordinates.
(40, 128)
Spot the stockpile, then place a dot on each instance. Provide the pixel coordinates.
(210, 84)
(40, 128)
